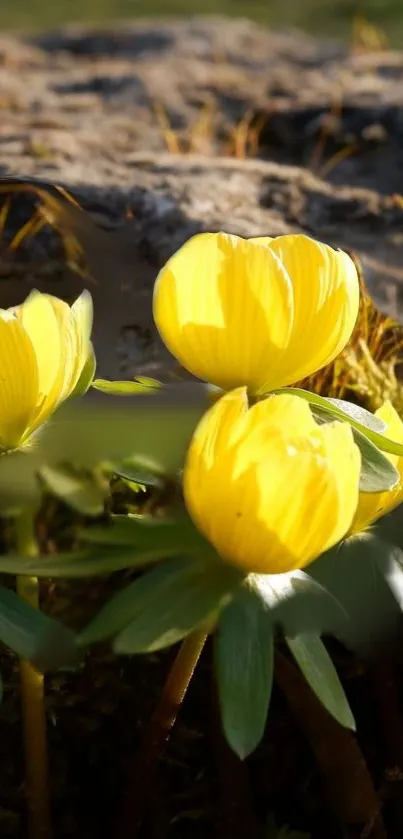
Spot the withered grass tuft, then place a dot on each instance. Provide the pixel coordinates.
(367, 371)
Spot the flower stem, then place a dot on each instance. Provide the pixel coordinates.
(141, 783)
(350, 789)
(32, 701)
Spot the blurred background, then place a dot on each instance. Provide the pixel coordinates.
(331, 17)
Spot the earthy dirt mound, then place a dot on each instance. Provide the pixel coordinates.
(96, 111)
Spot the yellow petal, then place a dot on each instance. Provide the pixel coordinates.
(40, 323)
(326, 299)
(373, 505)
(394, 430)
(218, 425)
(83, 313)
(284, 413)
(232, 421)
(82, 317)
(262, 240)
(261, 312)
(18, 382)
(41, 316)
(224, 308)
(60, 335)
(274, 498)
(68, 344)
(311, 497)
(289, 414)
(75, 325)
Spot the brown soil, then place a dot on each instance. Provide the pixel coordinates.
(79, 109)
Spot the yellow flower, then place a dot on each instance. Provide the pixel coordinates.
(263, 312)
(44, 346)
(373, 505)
(268, 487)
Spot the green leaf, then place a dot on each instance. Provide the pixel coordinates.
(272, 831)
(140, 470)
(390, 561)
(139, 476)
(171, 615)
(82, 491)
(380, 440)
(147, 381)
(377, 474)
(390, 527)
(316, 665)
(298, 603)
(360, 415)
(35, 636)
(158, 425)
(244, 653)
(364, 573)
(146, 533)
(162, 606)
(139, 385)
(87, 375)
(80, 564)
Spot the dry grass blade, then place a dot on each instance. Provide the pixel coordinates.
(170, 137)
(201, 133)
(31, 227)
(325, 133)
(4, 214)
(241, 135)
(58, 208)
(367, 37)
(366, 370)
(336, 158)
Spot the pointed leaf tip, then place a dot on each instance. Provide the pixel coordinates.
(244, 654)
(319, 671)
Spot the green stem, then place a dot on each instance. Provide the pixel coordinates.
(33, 700)
(141, 784)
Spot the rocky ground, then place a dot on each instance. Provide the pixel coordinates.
(162, 130)
(157, 118)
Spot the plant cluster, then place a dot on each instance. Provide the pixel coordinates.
(276, 514)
